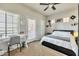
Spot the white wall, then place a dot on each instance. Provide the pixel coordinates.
(23, 11)
(64, 26)
(64, 14)
(26, 13)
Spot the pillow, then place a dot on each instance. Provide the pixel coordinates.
(61, 33)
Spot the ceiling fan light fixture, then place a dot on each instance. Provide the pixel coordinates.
(50, 6)
(53, 7)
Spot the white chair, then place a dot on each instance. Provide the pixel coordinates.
(23, 40)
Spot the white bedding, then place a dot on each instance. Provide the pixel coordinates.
(69, 45)
(56, 42)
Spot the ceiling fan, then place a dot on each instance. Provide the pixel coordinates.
(49, 5)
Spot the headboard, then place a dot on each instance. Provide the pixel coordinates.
(71, 31)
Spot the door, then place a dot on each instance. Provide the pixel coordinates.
(31, 29)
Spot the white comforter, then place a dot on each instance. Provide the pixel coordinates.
(69, 45)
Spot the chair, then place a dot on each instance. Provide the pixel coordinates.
(23, 38)
(14, 40)
(26, 41)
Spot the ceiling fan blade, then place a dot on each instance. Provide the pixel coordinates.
(44, 3)
(56, 3)
(46, 8)
(53, 7)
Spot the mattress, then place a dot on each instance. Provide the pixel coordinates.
(57, 42)
(65, 44)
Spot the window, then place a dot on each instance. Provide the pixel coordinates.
(2, 23)
(8, 23)
(11, 24)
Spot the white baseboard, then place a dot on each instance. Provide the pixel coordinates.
(31, 40)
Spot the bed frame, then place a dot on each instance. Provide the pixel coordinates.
(59, 48)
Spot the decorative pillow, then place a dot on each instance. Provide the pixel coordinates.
(61, 33)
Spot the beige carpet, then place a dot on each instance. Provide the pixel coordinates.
(36, 49)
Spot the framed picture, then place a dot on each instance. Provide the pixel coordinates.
(59, 20)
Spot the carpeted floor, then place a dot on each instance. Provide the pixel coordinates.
(36, 49)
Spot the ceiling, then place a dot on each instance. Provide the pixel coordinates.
(59, 8)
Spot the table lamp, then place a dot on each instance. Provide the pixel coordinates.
(75, 35)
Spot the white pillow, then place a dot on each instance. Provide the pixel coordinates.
(61, 33)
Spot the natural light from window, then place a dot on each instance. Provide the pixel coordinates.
(8, 23)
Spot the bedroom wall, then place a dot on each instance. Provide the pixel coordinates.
(61, 25)
(26, 13)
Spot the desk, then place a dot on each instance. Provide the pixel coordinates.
(23, 38)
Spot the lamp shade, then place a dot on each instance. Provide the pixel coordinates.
(75, 34)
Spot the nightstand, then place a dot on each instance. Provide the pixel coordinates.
(76, 40)
(48, 33)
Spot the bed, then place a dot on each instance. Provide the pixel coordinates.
(62, 41)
